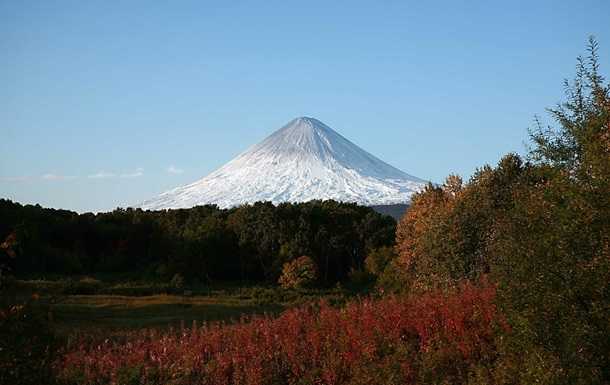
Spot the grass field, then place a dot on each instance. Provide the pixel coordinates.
(88, 313)
(73, 310)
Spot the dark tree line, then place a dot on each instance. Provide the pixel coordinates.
(248, 243)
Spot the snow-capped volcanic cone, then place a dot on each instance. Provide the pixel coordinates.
(302, 161)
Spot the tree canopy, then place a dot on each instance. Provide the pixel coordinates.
(248, 243)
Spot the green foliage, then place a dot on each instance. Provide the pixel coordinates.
(360, 281)
(539, 228)
(378, 259)
(204, 244)
(581, 143)
(274, 295)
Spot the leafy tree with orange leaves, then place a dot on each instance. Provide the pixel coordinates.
(299, 273)
(540, 229)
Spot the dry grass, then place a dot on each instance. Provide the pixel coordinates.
(88, 313)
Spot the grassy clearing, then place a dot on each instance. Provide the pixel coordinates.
(88, 313)
(91, 306)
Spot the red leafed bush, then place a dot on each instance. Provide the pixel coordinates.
(438, 337)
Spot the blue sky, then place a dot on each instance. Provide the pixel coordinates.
(105, 104)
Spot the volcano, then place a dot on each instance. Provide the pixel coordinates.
(302, 161)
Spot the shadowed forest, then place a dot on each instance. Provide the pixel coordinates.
(500, 279)
(202, 244)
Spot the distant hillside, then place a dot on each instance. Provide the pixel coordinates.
(395, 211)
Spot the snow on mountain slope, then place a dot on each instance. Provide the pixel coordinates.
(303, 160)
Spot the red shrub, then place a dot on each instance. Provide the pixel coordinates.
(395, 339)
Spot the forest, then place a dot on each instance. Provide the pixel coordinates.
(500, 279)
(248, 243)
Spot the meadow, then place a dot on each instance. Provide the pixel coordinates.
(87, 305)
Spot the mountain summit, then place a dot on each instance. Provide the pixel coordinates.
(302, 161)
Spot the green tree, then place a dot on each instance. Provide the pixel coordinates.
(551, 250)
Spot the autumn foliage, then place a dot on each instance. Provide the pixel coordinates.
(298, 273)
(401, 340)
(539, 227)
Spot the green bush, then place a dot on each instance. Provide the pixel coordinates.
(360, 280)
(378, 259)
(270, 296)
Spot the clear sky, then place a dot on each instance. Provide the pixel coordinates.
(107, 103)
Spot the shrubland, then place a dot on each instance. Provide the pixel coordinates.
(439, 336)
